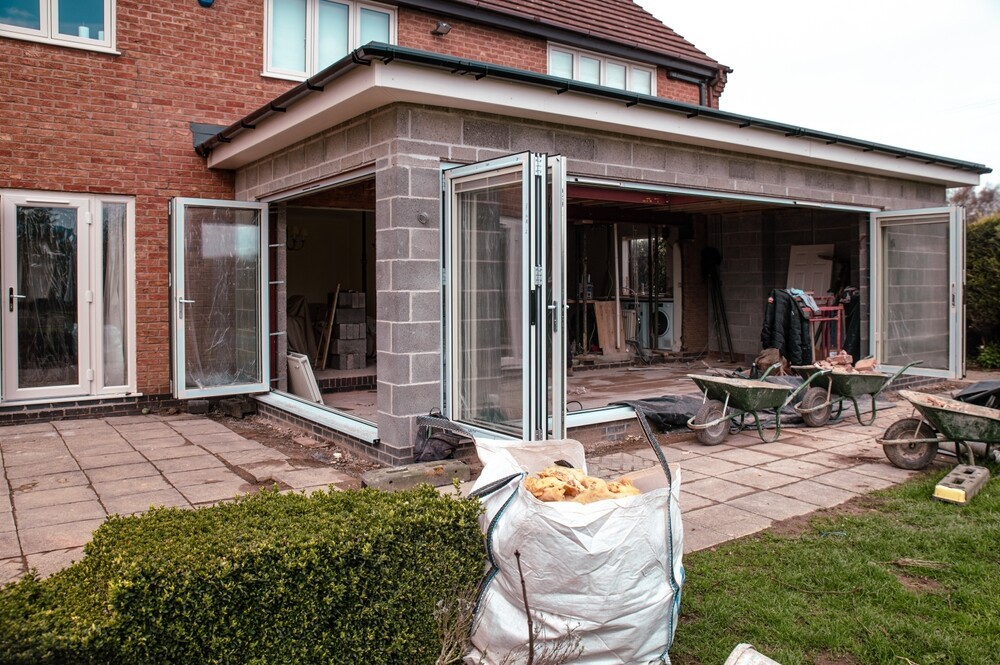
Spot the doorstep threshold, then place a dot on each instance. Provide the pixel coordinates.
(356, 428)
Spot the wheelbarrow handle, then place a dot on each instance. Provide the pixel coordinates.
(770, 369)
(898, 373)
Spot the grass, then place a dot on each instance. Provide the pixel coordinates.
(895, 577)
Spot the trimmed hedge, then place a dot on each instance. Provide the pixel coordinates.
(338, 577)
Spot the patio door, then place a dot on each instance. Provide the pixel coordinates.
(218, 297)
(505, 355)
(918, 279)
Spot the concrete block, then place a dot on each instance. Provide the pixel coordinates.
(347, 361)
(237, 407)
(348, 331)
(198, 406)
(350, 315)
(349, 346)
(411, 475)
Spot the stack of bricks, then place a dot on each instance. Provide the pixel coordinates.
(349, 343)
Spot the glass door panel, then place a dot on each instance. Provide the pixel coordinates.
(919, 271)
(46, 317)
(219, 299)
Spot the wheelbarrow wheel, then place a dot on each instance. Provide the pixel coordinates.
(910, 456)
(813, 398)
(716, 434)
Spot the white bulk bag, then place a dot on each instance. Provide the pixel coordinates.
(608, 571)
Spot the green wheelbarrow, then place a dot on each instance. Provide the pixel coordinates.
(912, 443)
(726, 399)
(833, 389)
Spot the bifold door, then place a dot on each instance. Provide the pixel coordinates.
(504, 229)
(918, 278)
(218, 297)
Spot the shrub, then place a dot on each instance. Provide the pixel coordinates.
(989, 356)
(339, 577)
(982, 294)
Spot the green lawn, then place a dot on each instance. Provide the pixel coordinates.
(895, 577)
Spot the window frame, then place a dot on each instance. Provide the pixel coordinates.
(48, 33)
(312, 26)
(605, 60)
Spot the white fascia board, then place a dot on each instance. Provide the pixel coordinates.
(369, 87)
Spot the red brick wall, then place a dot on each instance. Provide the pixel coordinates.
(81, 121)
(680, 91)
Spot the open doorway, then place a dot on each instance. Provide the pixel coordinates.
(324, 297)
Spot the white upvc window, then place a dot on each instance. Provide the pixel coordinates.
(599, 69)
(306, 36)
(83, 24)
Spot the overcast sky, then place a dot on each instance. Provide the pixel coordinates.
(917, 74)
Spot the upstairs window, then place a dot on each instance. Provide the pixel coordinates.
(306, 36)
(601, 70)
(86, 24)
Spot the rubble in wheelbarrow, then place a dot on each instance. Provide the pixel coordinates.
(843, 363)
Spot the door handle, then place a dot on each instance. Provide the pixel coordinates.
(13, 296)
(182, 302)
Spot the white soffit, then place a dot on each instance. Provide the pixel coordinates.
(367, 88)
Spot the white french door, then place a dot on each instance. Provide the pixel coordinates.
(219, 297)
(918, 280)
(504, 229)
(68, 295)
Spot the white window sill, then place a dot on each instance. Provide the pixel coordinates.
(78, 46)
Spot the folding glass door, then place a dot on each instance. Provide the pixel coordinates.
(505, 297)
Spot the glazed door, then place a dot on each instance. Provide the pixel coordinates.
(504, 296)
(918, 278)
(46, 298)
(219, 297)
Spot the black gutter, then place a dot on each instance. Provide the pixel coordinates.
(590, 42)
(386, 53)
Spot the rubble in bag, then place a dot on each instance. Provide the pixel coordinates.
(558, 483)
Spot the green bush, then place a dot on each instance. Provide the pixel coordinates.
(989, 356)
(339, 577)
(982, 293)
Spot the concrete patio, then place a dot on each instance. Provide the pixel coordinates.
(62, 479)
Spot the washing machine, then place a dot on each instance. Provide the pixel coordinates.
(662, 320)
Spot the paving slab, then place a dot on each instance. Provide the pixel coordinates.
(11, 570)
(50, 481)
(314, 477)
(184, 449)
(746, 457)
(700, 537)
(183, 479)
(123, 487)
(133, 503)
(884, 469)
(818, 494)
(241, 457)
(732, 521)
(772, 505)
(111, 473)
(95, 448)
(228, 445)
(799, 468)
(189, 463)
(35, 456)
(853, 482)
(758, 478)
(710, 465)
(63, 513)
(30, 428)
(113, 460)
(714, 489)
(37, 498)
(204, 494)
(47, 563)
(58, 537)
(264, 471)
(10, 546)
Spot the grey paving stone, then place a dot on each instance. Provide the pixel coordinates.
(29, 499)
(189, 463)
(11, 570)
(203, 494)
(50, 481)
(130, 504)
(47, 563)
(818, 494)
(787, 447)
(32, 428)
(184, 479)
(6, 506)
(759, 478)
(700, 537)
(199, 426)
(35, 457)
(772, 505)
(853, 482)
(59, 537)
(241, 457)
(121, 472)
(313, 477)
(734, 522)
(828, 459)
(264, 471)
(60, 514)
(9, 544)
(115, 459)
(229, 445)
(709, 465)
(799, 468)
(884, 469)
(714, 489)
(745, 457)
(693, 502)
(186, 449)
(117, 488)
(96, 449)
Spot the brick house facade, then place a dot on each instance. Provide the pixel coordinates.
(114, 120)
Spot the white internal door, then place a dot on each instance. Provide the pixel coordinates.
(504, 228)
(918, 278)
(219, 297)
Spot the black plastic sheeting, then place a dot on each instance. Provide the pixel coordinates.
(983, 393)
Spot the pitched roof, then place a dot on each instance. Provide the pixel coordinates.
(620, 21)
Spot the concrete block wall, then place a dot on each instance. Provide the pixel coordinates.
(406, 145)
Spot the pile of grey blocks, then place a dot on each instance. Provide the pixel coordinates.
(349, 343)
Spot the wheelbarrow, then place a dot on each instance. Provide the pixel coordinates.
(816, 407)
(726, 399)
(912, 443)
